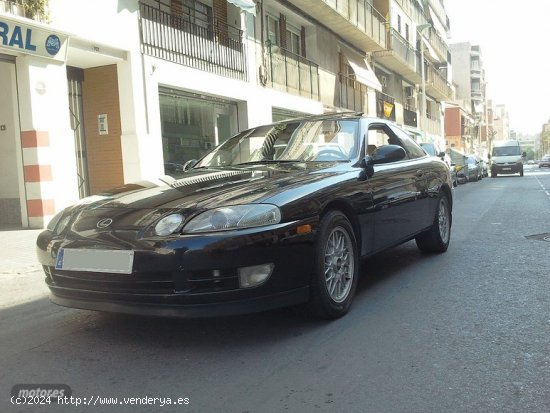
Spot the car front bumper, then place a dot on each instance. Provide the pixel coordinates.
(187, 276)
(506, 168)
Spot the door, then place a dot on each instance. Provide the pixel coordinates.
(75, 77)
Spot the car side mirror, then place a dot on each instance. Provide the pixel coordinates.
(488, 156)
(387, 154)
(367, 165)
(524, 154)
(441, 155)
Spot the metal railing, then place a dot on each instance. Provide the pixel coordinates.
(364, 16)
(437, 81)
(352, 94)
(403, 49)
(210, 46)
(438, 44)
(292, 73)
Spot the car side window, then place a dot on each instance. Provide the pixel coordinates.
(380, 135)
(411, 147)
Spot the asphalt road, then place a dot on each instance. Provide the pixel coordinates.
(466, 331)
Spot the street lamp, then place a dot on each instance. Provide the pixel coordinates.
(419, 29)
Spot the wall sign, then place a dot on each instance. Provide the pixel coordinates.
(33, 40)
(102, 124)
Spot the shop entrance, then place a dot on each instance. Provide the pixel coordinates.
(12, 189)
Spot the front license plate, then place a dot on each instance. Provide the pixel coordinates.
(114, 261)
(506, 169)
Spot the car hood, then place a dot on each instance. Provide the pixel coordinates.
(140, 204)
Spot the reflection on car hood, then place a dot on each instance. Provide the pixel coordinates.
(210, 188)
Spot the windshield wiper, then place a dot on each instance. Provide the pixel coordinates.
(269, 161)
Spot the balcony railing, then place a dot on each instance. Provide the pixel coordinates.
(439, 10)
(410, 117)
(210, 46)
(362, 15)
(403, 49)
(438, 45)
(438, 83)
(292, 73)
(353, 95)
(432, 124)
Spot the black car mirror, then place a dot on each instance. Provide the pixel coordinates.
(524, 154)
(441, 155)
(387, 154)
(488, 156)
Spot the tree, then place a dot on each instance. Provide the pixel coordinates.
(34, 8)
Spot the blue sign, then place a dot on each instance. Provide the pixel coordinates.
(53, 44)
(31, 39)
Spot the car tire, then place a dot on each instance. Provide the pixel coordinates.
(336, 270)
(521, 172)
(438, 236)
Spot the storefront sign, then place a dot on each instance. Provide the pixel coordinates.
(32, 40)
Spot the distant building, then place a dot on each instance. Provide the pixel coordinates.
(501, 122)
(469, 76)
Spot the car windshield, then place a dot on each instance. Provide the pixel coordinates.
(506, 151)
(319, 140)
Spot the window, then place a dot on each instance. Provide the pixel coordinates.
(194, 16)
(293, 42)
(399, 23)
(272, 30)
(407, 31)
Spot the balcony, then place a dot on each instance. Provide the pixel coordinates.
(436, 85)
(356, 21)
(292, 73)
(400, 57)
(410, 117)
(432, 125)
(353, 94)
(208, 46)
(439, 11)
(439, 46)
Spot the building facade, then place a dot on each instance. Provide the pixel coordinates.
(98, 94)
(469, 77)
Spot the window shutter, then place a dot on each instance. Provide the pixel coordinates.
(303, 40)
(282, 31)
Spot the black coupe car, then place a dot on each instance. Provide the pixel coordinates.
(275, 216)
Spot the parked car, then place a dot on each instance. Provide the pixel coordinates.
(545, 162)
(249, 228)
(432, 150)
(471, 170)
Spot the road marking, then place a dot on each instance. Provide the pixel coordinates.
(546, 191)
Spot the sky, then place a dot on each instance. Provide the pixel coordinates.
(514, 37)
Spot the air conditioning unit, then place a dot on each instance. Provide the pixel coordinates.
(383, 80)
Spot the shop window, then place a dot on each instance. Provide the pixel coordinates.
(192, 126)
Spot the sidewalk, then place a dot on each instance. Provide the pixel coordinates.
(18, 251)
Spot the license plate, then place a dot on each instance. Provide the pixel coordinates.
(506, 169)
(114, 261)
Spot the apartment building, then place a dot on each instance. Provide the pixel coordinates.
(502, 122)
(469, 76)
(98, 94)
(416, 29)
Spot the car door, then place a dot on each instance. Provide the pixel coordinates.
(399, 191)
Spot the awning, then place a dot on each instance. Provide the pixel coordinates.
(246, 5)
(364, 74)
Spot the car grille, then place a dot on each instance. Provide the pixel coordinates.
(138, 283)
(187, 282)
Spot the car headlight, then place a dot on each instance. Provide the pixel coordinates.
(234, 217)
(168, 225)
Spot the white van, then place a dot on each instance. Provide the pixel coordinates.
(506, 158)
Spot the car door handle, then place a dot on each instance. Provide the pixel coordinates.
(419, 173)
